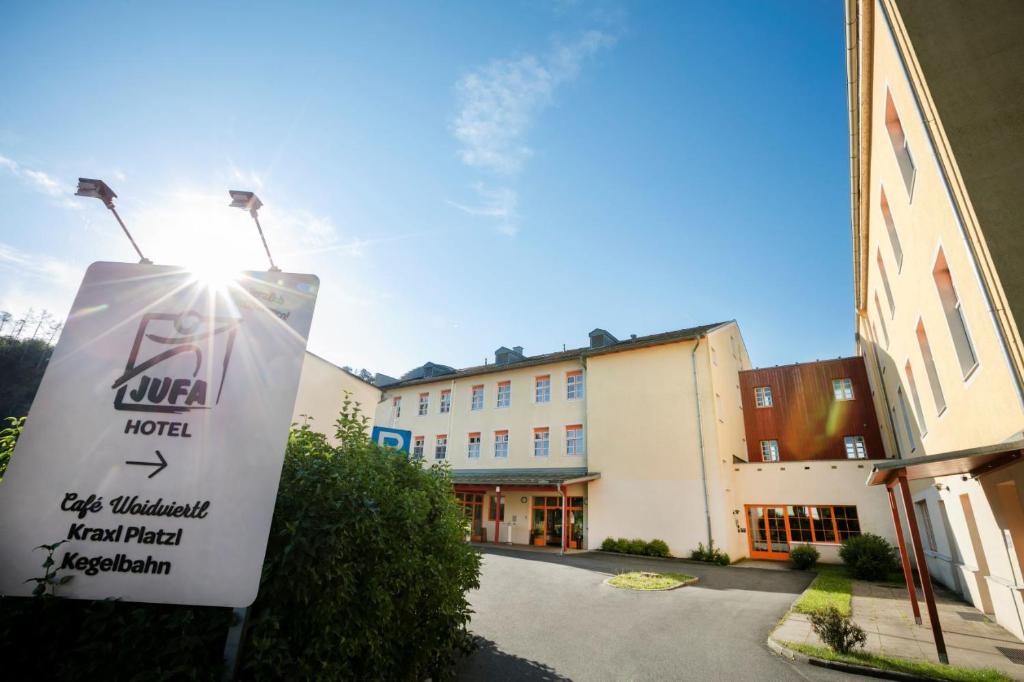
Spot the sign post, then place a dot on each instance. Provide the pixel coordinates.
(155, 443)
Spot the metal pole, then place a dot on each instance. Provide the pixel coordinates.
(233, 644)
(273, 268)
(922, 569)
(908, 574)
(142, 259)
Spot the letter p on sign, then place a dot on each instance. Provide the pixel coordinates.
(398, 439)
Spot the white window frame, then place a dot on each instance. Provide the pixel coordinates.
(471, 451)
(424, 404)
(574, 385)
(476, 398)
(396, 407)
(542, 437)
(446, 401)
(501, 445)
(855, 447)
(418, 446)
(956, 321)
(542, 389)
(842, 388)
(575, 445)
(440, 448)
(770, 450)
(763, 396)
(507, 385)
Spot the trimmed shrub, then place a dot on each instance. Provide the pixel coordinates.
(657, 548)
(623, 545)
(869, 556)
(609, 545)
(804, 557)
(365, 577)
(636, 546)
(837, 631)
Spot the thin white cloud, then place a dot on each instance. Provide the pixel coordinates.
(36, 281)
(40, 181)
(499, 102)
(499, 204)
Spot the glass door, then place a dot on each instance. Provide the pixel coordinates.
(767, 532)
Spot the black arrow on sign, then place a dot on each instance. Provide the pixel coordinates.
(160, 466)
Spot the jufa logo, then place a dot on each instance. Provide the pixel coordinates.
(163, 370)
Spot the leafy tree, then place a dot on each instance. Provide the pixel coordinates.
(22, 363)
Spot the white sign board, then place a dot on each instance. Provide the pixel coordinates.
(156, 440)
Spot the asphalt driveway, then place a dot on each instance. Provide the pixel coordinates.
(545, 617)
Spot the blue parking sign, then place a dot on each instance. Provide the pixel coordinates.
(398, 439)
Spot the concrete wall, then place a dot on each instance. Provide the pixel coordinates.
(839, 482)
(519, 419)
(322, 387)
(961, 56)
(642, 416)
(983, 407)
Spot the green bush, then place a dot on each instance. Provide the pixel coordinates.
(636, 546)
(657, 548)
(710, 554)
(365, 578)
(610, 545)
(837, 631)
(804, 557)
(869, 556)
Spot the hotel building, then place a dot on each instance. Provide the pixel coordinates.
(937, 154)
(646, 437)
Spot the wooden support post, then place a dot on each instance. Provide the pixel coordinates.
(908, 573)
(497, 514)
(922, 569)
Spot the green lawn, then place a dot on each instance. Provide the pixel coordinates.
(644, 580)
(832, 587)
(934, 670)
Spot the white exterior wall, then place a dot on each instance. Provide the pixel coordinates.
(642, 414)
(815, 483)
(322, 387)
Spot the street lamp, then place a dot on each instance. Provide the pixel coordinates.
(251, 203)
(97, 189)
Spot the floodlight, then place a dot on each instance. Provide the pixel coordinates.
(97, 189)
(251, 203)
(247, 200)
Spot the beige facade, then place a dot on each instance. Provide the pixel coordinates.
(659, 460)
(519, 419)
(663, 451)
(322, 387)
(642, 448)
(936, 267)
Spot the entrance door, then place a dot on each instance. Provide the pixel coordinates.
(767, 533)
(554, 527)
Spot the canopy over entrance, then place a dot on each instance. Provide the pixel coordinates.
(972, 462)
(895, 474)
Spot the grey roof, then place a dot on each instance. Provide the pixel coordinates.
(547, 358)
(552, 476)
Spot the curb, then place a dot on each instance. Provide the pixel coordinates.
(691, 581)
(784, 651)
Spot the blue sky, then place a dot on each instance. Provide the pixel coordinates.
(460, 176)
